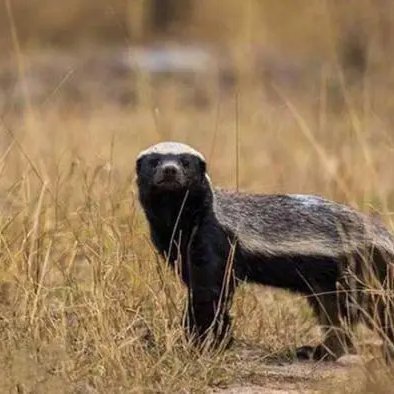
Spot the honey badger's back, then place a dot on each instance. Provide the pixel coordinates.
(298, 224)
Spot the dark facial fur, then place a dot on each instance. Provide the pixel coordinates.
(169, 173)
(301, 243)
(175, 194)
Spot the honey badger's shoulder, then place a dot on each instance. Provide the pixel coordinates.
(298, 224)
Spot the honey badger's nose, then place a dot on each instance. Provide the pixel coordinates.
(170, 170)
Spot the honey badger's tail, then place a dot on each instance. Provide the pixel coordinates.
(380, 290)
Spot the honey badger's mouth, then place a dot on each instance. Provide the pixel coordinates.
(169, 183)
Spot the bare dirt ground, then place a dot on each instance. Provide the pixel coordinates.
(276, 377)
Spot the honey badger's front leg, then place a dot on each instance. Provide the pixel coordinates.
(207, 320)
(210, 290)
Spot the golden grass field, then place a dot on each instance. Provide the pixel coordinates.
(86, 306)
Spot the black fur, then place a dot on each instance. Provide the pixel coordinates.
(304, 244)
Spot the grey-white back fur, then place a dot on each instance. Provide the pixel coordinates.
(298, 224)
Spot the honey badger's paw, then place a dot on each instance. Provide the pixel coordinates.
(317, 353)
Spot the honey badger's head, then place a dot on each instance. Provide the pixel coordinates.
(170, 168)
(174, 191)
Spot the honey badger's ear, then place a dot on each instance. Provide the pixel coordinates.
(138, 165)
(203, 166)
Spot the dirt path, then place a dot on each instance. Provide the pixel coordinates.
(290, 377)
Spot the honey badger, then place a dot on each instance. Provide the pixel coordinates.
(305, 244)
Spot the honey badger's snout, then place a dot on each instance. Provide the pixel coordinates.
(170, 171)
(169, 174)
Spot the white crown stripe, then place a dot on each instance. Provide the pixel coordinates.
(171, 148)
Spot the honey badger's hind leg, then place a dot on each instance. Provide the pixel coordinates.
(335, 324)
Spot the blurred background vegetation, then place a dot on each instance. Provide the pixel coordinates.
(254, 64)
(297, 42)
(292, 25)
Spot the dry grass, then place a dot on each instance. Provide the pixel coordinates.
(85, 304)
(84, 301)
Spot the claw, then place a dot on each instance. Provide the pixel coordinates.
(305, 353)
(318, 353)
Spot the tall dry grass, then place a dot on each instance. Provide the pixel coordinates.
(84, 300)
(85, 303)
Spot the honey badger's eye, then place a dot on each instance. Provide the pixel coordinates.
(185, 162)
(154, 162)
